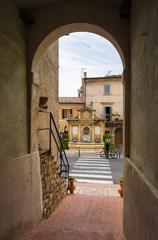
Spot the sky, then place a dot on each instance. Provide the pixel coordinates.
(85, 52)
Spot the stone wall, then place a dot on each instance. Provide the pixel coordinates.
(54, 187)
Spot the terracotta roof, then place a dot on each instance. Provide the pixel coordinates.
(71, 100)
(105, 77)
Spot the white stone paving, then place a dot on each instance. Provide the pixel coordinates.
(79, 180)
(91, 176)
(90, 171)
(89, 167)
(92, 164)
(108, 192)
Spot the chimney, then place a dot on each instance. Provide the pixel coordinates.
(85, 74)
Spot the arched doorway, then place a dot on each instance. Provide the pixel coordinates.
(48, 40)
(41, 50)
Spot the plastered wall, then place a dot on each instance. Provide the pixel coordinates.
(144, 85)
(13, 96)
(74, 107)
(45, 84)
(95, 94)
(21, 196)
(141, 167)
(20, 183)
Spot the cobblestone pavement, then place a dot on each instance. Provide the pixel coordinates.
(84, 215)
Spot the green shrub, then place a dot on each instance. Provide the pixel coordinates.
(64, 143)
(107, 137)
(121, 179)
(66, 136)
(111, 146)
(71, 178)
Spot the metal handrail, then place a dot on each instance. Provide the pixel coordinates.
(64, 166)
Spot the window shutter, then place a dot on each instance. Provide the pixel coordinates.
(108, 89)
(110, 114)
(62, 113)
(104, 112)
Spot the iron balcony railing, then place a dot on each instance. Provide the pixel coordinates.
(64, 164)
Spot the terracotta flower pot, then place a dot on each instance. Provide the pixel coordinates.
(72, 186)
(120, 190)
(43, 100)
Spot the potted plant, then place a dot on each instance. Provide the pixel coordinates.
(72, 185)
(120, 190)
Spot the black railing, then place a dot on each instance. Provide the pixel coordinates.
(64, 164)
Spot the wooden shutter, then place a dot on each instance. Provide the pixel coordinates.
(108, 88)
(104, 112)
(110, 114)
(62, 113)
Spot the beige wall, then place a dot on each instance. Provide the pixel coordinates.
(45, 84)
(21, 195)
(13, 96)
(141, 169)
(144, 97)
(95, 94)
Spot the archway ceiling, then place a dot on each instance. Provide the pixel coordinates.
(34, 4)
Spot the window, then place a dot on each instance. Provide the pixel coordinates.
(66, 113)
(106, 89)
(108, 113)
(107, 132)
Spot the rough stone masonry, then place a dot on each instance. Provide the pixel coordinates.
(53, 185)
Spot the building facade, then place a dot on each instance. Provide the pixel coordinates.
(68, 108)
(105, 95)
(86, 130)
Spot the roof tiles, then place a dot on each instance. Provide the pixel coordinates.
(71, 100)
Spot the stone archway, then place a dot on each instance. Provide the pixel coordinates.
(48, 40)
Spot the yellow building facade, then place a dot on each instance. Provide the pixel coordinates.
(68, 108)
(86, 130)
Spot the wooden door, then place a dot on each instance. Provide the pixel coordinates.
(118, 137)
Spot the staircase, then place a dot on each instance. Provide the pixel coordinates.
(54, 174)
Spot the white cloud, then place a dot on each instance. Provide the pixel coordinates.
(85, 50)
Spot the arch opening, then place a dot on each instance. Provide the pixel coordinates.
(42, 87)
(38, 90)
